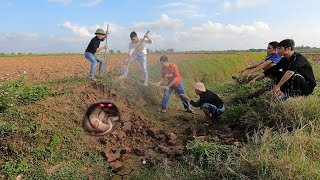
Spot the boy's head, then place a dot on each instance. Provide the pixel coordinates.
(272, 47)
(285, 46)
(134, 37)
(100, 33)
(164, 61)
(199, 88)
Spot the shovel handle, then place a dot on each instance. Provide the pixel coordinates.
(105, 50)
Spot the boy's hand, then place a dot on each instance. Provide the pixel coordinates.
(244, 70)
(276, 90)
(246, 77)
(185, 97)
(105, 47)
(250, 84)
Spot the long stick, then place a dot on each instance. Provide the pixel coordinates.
(105, 50)
(148, 81)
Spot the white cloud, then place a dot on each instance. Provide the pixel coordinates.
(91, 3)
(76, 29)
(64, 2)
(219, 36)
(185, 9)
(180, 5)
(208, 28)
(250, 3)
(244, 3)
(20, 36)
(164, 23)
(226, 5)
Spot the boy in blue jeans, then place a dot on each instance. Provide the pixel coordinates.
(138, 52)
(93, 47)
(170, 71)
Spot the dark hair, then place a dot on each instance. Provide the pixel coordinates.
(133, 34)
(274, 44)
(287, 43)
(164, 58)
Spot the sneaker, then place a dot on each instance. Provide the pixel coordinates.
(162, 110)
(190, 111)
(282, 97)
(145, 83)
(93, 79)
(122, 76)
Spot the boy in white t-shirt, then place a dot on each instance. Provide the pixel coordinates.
(137, 51)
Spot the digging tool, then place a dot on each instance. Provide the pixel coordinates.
(105, 50)
(155, 84)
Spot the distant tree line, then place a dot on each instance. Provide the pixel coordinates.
(171, 50)
(307, 49)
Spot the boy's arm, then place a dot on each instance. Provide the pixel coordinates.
(258, 68)
(131, 50)
(149, 40)
(256, 65)
(287, 75)
(261, 66)
(161, 78)
(250, 84)
(172, 82)
(250, 67)
(160, 81)
(101, 48)
(193, 103)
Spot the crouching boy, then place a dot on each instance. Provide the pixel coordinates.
(209, 101)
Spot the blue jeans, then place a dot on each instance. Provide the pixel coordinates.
(94, 59)
(142, 58)
(214, 111)
(180, 90)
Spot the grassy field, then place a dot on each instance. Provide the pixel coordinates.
(39, 141)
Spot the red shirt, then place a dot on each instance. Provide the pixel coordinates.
(170, 73)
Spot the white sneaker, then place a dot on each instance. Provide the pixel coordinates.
(145, 83)
(93, 79)
(189, 111)
(282, 97)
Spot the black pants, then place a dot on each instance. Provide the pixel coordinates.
(297, 86)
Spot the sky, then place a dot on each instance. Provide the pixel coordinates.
(67, 26)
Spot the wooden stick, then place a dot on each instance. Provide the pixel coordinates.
(105, 50)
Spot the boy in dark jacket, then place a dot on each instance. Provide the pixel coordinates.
(294, 73)
(209, 101)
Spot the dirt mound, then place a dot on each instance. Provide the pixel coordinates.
(135, 138)
(139, 142)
